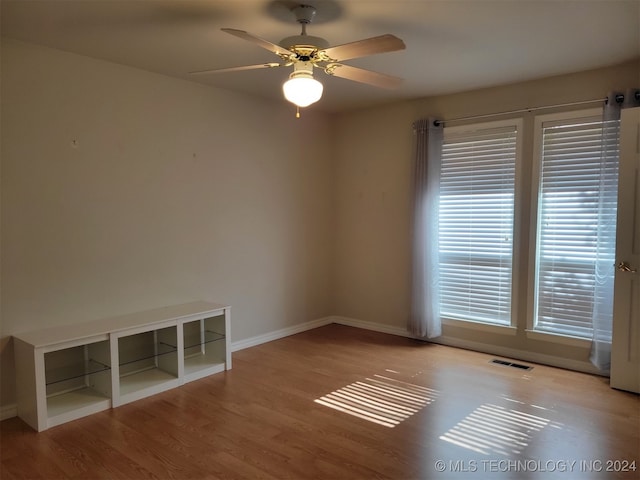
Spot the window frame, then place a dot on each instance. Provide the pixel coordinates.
(516, 246)
(535, 212)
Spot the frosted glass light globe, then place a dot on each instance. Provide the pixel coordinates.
(302, 89)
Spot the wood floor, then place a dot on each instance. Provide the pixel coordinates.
(343, 403)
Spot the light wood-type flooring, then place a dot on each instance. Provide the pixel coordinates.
(343, 403)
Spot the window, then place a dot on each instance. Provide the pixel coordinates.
(477, 192)
(571, 197)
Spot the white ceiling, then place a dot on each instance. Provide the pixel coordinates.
(452, 45)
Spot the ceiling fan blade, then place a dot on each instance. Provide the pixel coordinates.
(272, 47)
(237, 69)
(362, 48)
(363, 76)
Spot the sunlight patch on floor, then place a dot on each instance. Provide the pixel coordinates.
(491, 429)
(380, 399)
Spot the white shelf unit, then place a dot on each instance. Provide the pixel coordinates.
(67, 372)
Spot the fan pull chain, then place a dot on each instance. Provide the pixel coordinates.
(297, 111)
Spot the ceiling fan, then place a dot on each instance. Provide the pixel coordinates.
(305, 52)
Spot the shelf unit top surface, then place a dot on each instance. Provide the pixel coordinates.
(68, 333)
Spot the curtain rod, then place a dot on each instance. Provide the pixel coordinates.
(618, 97)
(522, 110)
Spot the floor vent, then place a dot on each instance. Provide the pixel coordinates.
(511, 364)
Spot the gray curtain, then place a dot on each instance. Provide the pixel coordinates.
(606, 235)
(425, 306)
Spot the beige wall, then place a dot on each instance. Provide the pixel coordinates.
(124, 190)
(173, 191)
(373, 184)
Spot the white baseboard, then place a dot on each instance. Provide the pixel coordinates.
(506, 352)
(8, 411)
(533, 357)
(284, 332)
(376, 327)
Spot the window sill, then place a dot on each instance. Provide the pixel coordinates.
(485, 327)
(558, 338)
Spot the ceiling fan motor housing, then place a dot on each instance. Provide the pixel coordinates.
(317, 43)
(304, 16)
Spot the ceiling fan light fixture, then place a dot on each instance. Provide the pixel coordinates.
(305, 52)
(302, 89)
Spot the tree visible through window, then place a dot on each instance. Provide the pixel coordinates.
(571, 203)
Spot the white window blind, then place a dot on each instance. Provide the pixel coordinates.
(476, 224)
(569, 200)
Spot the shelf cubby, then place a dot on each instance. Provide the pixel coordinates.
(147, 363)
(78, 381)
(205, 347)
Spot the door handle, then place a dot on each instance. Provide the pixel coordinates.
(625, 267)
